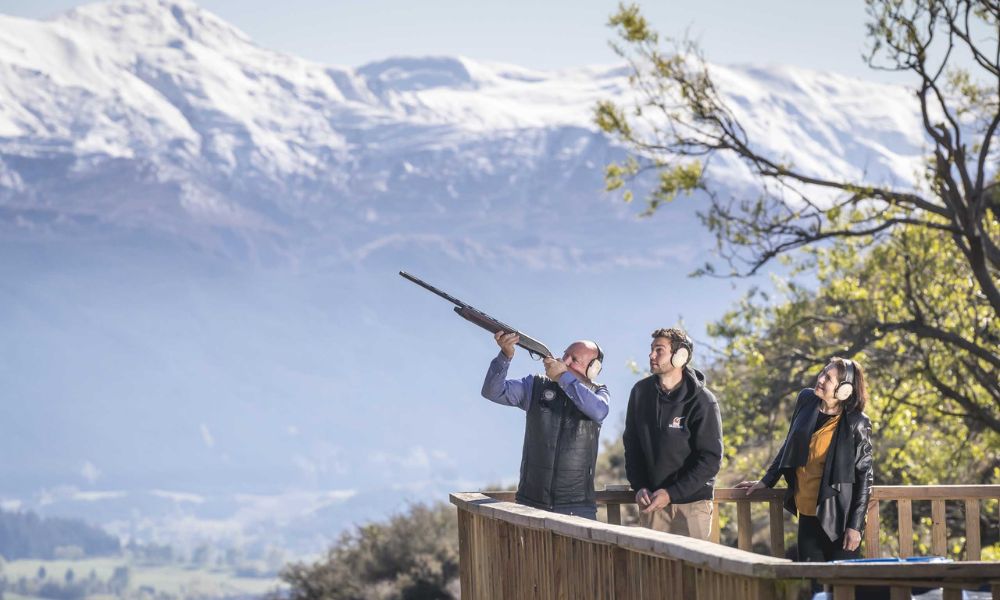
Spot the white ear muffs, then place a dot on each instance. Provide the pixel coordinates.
(845, 389)
(680, 358)
(682, 355)
(594, 368)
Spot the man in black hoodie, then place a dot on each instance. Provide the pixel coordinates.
(673, 440)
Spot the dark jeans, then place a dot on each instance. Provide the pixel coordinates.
(816, 546)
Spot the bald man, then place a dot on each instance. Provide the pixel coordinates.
(564, 409)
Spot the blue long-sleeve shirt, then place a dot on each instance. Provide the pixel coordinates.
(593, 402)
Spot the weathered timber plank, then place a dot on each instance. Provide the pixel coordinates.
(744, 526)
(873, 526)
(614, 512)
(776, 525)
(905, 511)
(933, 492)
(966, 570)
(899, 593)
(763, 495)
(973, 551)
(843, 591)
(939, 531)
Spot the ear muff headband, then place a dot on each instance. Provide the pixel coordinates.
(845, 389)
(682, 355)
(594, 368)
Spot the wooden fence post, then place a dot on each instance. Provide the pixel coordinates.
(872, 529)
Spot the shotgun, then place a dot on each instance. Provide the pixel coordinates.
(536, 349)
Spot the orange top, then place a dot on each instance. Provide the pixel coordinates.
(807, 478)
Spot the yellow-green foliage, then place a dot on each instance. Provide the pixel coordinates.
(412, 555)
(905, 280)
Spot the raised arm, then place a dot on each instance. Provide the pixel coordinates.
(592, 401)
(496, 387)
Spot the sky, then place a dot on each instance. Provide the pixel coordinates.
(147, 368)
(552, 34)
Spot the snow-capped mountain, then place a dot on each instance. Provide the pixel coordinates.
(156, 115)
(152, 157)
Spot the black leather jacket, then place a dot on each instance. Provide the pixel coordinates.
(847, 476)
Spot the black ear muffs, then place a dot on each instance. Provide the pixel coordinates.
(682, 354)
(845, 389)
(594, 368)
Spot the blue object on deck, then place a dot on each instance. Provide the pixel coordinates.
(882, 592)
(911, 559)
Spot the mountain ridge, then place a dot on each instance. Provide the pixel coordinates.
(162, 116)
(199, 241)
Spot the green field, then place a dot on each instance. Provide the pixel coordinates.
(176, 580)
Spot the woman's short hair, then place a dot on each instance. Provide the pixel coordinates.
(859, 398)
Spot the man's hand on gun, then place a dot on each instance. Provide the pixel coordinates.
(554, 368)
(506, 340)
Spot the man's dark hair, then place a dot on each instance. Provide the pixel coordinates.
(676, 336)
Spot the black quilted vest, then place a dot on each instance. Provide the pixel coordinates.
(560, 450)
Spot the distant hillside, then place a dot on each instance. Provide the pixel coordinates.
(26, 535)
(161, 118)
(205, 341)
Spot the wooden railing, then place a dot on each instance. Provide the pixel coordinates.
(513, 551)
(904, 496)
(971, 496)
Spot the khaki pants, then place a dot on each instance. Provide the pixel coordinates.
(693, 519)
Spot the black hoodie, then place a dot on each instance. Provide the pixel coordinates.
(673, 441)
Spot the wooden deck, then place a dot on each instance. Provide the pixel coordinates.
(513, 551)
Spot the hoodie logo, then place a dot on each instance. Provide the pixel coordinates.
(677, 423)
(548, 395)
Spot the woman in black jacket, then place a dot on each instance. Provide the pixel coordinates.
(827, 462)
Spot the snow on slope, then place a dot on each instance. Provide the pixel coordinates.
(157, 121)
(160, 116)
